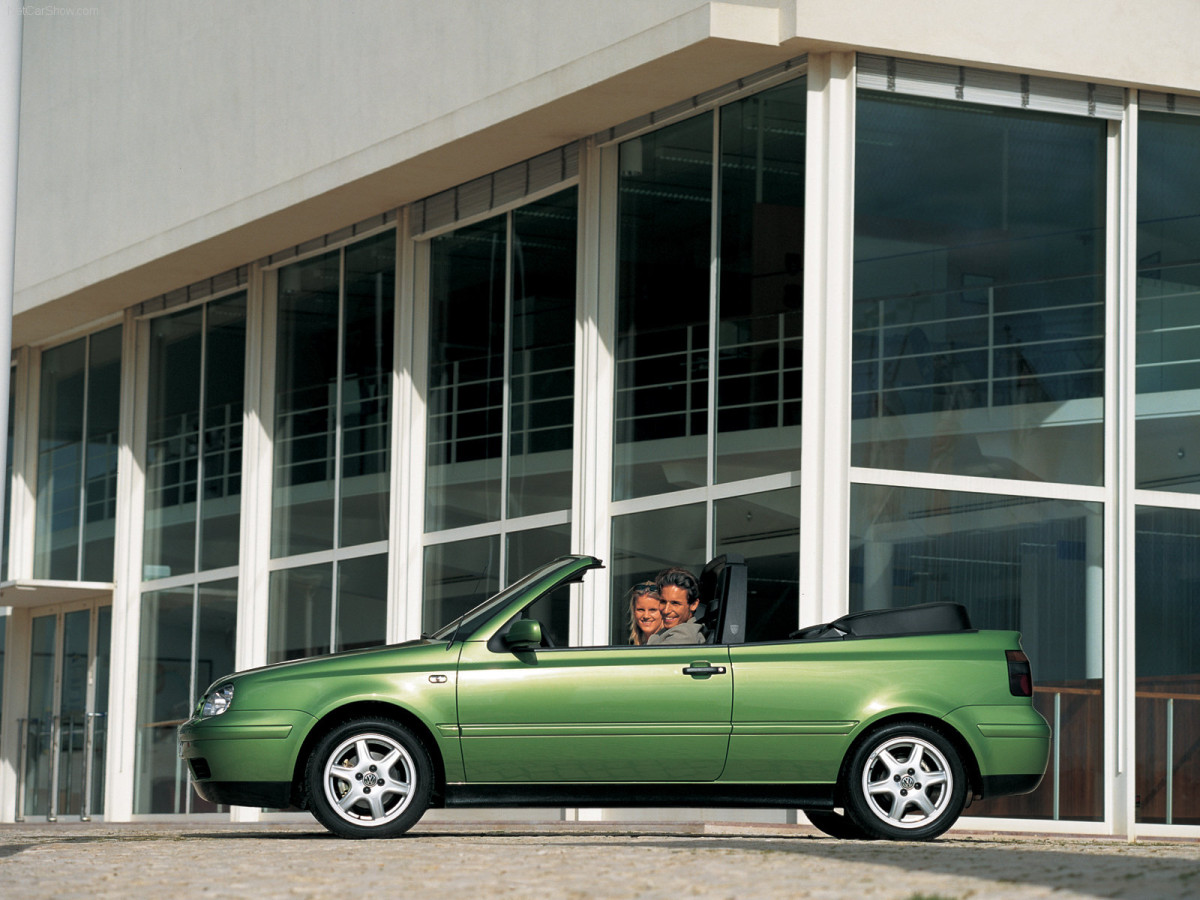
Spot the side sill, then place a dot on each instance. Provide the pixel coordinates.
(745, 796)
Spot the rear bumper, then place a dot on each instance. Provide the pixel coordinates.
(1006, 785)
(1011, 746)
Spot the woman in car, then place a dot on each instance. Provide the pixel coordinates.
(645, 612)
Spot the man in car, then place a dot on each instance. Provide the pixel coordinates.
(680, 596)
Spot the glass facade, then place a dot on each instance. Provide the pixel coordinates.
(1168, 303)
(979, 255)
(333, 401)
(77, 459)
(1167, 542)
(502, 367)
(1018, 564)
(194, 439)
(187, 640)
(1167, 706)
(501, 401)
(721, 191)
(708, 371)
(332, 409)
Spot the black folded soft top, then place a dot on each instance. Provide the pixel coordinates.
(925, 618)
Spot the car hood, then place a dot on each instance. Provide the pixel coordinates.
(297, 666)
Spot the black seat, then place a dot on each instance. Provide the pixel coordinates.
(722, 609)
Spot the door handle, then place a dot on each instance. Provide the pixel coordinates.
(703, 670)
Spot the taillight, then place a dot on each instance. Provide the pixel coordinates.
(1020, 676)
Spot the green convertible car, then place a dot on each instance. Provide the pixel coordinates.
(881, 724)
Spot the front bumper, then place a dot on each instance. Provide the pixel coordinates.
(245, 757)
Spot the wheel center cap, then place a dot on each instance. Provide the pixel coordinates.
(907, 782)
(370, 779)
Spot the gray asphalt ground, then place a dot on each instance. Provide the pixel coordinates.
(576, 860)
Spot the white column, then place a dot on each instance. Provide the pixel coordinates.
(122, 694)
(1121, 476)
(401, 625)
(16, 701)
(257, 461)
(828, 269)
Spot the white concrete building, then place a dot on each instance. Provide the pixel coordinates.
(330, 318)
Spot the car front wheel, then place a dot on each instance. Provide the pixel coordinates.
(369, 778)
(906, 783)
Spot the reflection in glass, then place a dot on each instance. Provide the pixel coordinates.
(171, 677)
(172, 443)
(306, 377)
(458, 576)
(1168, 303)
(466, 375)
(73, 710)
(664, 252)
(978, 290)
(298, 612)
(197, 359)
(644, 544)
(224, 386)
(541, 385)
(40, 715)
(1023, 564)
(761, 288)
(367, 389)
(527, 550)
(102, 669)
(77, 459)
(765, 529)
(1167, 709)
(166, 692)
(332, 432)
(100, 459)
(362, 602)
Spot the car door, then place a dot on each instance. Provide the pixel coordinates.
(594, 714)
(796, 705)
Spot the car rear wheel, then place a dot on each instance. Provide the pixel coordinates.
(369, 778)
(905, 783)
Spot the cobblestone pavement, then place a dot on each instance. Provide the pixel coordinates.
(576, 860)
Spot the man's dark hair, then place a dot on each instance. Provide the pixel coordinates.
(682, 579)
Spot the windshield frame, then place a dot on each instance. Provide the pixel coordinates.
(473, 619)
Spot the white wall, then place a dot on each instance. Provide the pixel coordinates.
(164, 141)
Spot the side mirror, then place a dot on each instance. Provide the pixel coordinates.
(524, 634)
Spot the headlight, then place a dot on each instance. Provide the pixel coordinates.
(217, 702)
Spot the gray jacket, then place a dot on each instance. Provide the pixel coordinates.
(683, 633)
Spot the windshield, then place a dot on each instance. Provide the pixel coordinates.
(473, 618)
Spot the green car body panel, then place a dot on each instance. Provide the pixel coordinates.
(712, 724)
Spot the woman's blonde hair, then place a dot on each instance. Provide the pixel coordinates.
(644, 589)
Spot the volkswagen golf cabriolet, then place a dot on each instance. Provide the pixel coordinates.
(881, 724)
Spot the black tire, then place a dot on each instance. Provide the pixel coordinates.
(369, 778)
(836, 825)
(905, 782)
